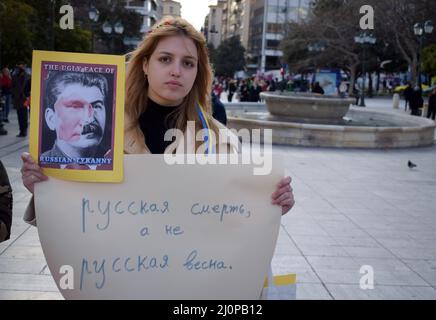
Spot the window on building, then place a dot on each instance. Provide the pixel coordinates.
(274, 28)
(272, 44)
(171, 9)
(272, 63)
(153, 5)
(136, 3)
(152, 21)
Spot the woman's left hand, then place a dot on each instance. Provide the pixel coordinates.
(283, 195)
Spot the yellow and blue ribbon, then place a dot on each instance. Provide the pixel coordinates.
(205, 123)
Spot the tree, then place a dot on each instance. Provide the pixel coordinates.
(42, 23)
(336, 23)
(76, 40)
(396, 21)
(15, 32)
(110, 11)
(229, 57)
(47, 35)
(429, 60)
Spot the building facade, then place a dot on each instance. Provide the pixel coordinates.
(226, 19)
(171, 8)
(151, 12)
(245, 23)
(233, 15)
(268, 27)
(261, 25)
(213, 24)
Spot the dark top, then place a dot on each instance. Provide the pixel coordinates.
(154, 122)
(408, 92)
(219, 111)
(432, 102)
(318, 89)
(19, 89)
(416, 101)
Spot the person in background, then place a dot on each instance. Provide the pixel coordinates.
(408, 92)
(19, 83)
(416, 102)
(317, 88)
(232, 89)
(356, 93)
(431, 113)
(6, 92)
(3, 131)
(218, 89)
(218, 110)
(244, 95)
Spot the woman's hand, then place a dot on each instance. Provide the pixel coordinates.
(283, 195)
(31, 173)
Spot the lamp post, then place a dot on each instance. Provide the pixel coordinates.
(364, 39)
(108, 29)
(93, 15)
(420, 30)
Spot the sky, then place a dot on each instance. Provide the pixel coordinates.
(195, 11)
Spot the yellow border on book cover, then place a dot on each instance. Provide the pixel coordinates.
(116, 175)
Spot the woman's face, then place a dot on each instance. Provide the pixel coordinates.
(171, 70)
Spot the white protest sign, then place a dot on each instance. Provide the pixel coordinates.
(166, 232)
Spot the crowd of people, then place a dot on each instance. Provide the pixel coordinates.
(249, 89)
(243, 90)
(415, 102)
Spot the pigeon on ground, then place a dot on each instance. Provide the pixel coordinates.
(411, 165)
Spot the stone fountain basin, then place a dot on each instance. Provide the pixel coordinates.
(388, 130)
(306, 105)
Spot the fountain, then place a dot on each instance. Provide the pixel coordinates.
(306, 105)
(328, 121)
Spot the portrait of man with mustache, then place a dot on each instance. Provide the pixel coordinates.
(76, 109)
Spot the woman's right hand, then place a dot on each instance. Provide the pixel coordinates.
(31, 173)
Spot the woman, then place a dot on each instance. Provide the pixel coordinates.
(168, 83)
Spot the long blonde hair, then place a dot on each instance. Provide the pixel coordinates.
(137, 84)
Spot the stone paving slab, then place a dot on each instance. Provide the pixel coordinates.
(353, 292)
(353, 208)
(29, 295)
(310, 291)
